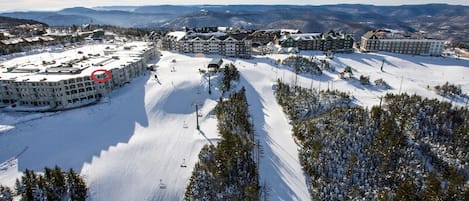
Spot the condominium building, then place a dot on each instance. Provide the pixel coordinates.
(330, 41)
(222, 43)
(265, 36)
(397, 42)
(65, 81)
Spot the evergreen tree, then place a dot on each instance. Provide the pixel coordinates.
(19, 187)
(76, 186)
(406, 191)
(5, 193)
(432, 190)
(29, 182)
(39, 192)
(56, 186)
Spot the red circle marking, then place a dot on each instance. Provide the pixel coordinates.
(107, 78)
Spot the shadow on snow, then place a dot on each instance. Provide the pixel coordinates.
(72, 138)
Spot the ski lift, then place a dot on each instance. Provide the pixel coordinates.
(183, 165)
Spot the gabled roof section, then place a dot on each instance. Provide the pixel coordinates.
(177, 35)
(213, 38)
(369, 35)
(230, 38)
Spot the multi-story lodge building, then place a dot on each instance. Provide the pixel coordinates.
(66, 80)
(390, 41)
(330, 41)
(222, 43)
(265, 36)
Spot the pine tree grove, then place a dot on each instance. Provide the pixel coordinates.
(410, 148)
(227, 171)
(53, 185)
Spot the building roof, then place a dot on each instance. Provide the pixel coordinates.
(216, 61)
(303, 36)
(32, 39)
(368, 34)
(194, 36)
(394, 34)
(177, 35)
(70, 64)
(12, 41)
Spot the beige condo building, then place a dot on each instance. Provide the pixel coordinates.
(66, 83)
(389, 41)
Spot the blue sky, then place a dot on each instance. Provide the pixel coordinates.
(58, 4)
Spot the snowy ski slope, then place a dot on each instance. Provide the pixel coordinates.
(131, 146)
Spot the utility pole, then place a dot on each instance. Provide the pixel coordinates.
(197, 115)
(382, 65)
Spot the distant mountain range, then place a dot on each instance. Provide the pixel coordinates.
(6, 22)
(439, 20)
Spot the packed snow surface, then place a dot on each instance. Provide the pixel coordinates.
(131, 144)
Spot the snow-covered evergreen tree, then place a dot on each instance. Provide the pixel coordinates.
(76, 186)
(53, 185)
(5, 193)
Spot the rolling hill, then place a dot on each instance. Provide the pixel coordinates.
(439, 20)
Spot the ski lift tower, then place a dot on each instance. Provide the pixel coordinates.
(197, 115)
(209, 85)
(197, 104)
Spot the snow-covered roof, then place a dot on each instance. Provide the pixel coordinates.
(303, 36)
(395, 34)
(292, 31)
(12, 41)
(178, 35)
(32, 39)
(206, 35)
(71, 64)
(223, 29)
(46, 38)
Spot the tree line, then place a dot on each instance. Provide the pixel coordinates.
(53, 185)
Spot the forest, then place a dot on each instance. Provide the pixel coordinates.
(407, 148)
